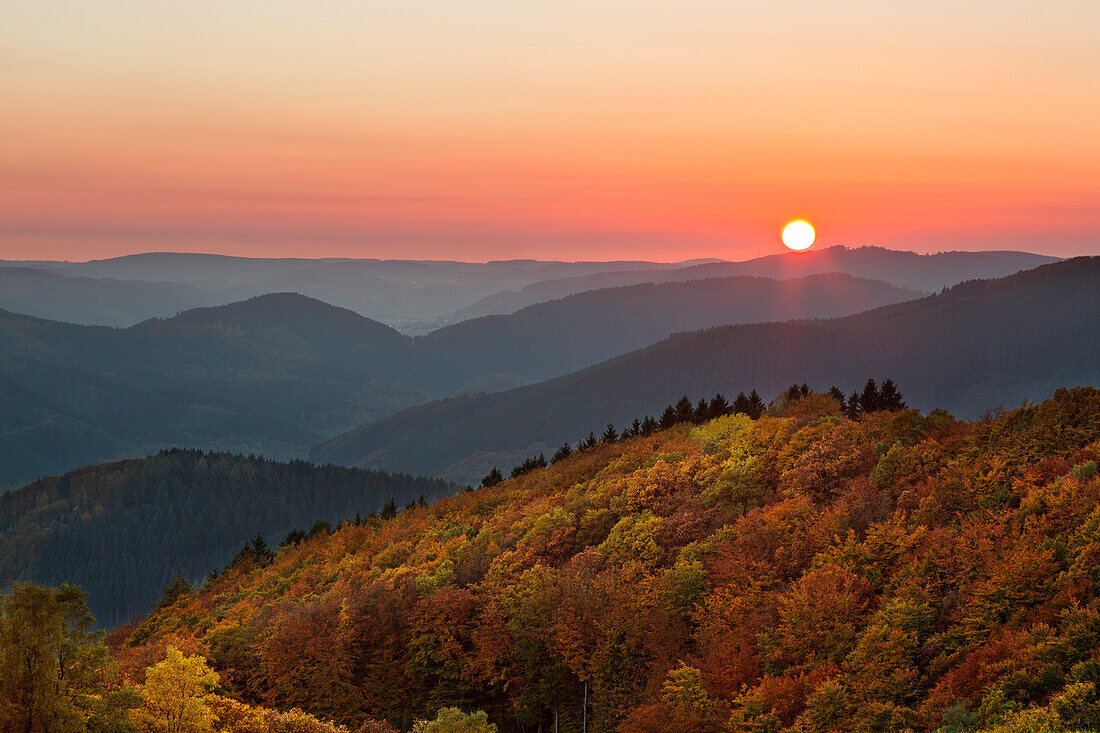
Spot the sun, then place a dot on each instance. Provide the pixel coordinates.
(798, 235)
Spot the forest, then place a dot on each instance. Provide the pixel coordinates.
(122, 530)
(804, 571)
(991, 343)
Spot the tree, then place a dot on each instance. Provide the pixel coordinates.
(667, 419)
(683, 409)
(869, 399)
(741, 404)
(702, 412)
(563, 452)
(176, 693)
(837, 395)
(718, 406)
(453, 720)
(610, 434)
(53, 666)
(634, 429)
(851, 409)
(492, 478)
(889, 397)
(756, 405)
(649, 425)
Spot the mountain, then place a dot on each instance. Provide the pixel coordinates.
(553, 338)
(274, 375)
(979, 345)
(805, 573)
(280, 373)
(93, 300)
(409, 295)
(927, 273)
(121, 530)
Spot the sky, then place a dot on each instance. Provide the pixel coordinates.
(572, 129)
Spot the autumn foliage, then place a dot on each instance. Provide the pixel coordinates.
(898, 572)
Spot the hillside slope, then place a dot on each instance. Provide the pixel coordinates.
(928, 273)
(977, 346)
(554, 338)
(122, 529)
(275, 375)
(280, 373)
(802, 573)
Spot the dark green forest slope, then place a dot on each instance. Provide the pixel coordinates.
(120, 530)
(281, 373)
(979, 345)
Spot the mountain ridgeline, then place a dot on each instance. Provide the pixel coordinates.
(978, 345)
(281, 373)
(928, 273)
(121, 530)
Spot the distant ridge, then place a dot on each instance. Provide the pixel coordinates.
(979, 345)
(928, 273)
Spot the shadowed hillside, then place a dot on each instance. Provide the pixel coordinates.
(121, 530)
(928, 273)
(979, 345)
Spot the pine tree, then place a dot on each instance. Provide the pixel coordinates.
(837, 395)
(563, 452)
(756, 405)
(851, 409)
(718, 406)
(610, 434)
(741, 405)
(668, 418)
(869, 399)
(702, 412)
(684, 409)
(889, 398)
(649, 425)
(492, 478)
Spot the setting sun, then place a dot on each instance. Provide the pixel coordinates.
(798, 235)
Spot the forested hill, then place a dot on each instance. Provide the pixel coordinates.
(803, 572)
(554, 338)
(980, 345)
(923, 272)
(280, 373)
(120, 530)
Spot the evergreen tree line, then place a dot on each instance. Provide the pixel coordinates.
(871, 399)
(123, 530)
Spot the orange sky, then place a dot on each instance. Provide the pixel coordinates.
(565, 130)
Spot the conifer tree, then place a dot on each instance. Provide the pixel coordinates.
(563, 452)
(718, 406)
(610, 434)
(869, 399)
(741, 404)
(684, 410)
(851, 409)
(492, 478)
(648, 425)
(889, 397)
(702, 411)
(837, 395)
(756, 405)
(668, 418)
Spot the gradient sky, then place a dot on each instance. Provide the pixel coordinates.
(584, 129)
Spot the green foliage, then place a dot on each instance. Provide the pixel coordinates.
(126, 530)
(453, 720)
(55, 672)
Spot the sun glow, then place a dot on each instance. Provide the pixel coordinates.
(798, 235)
